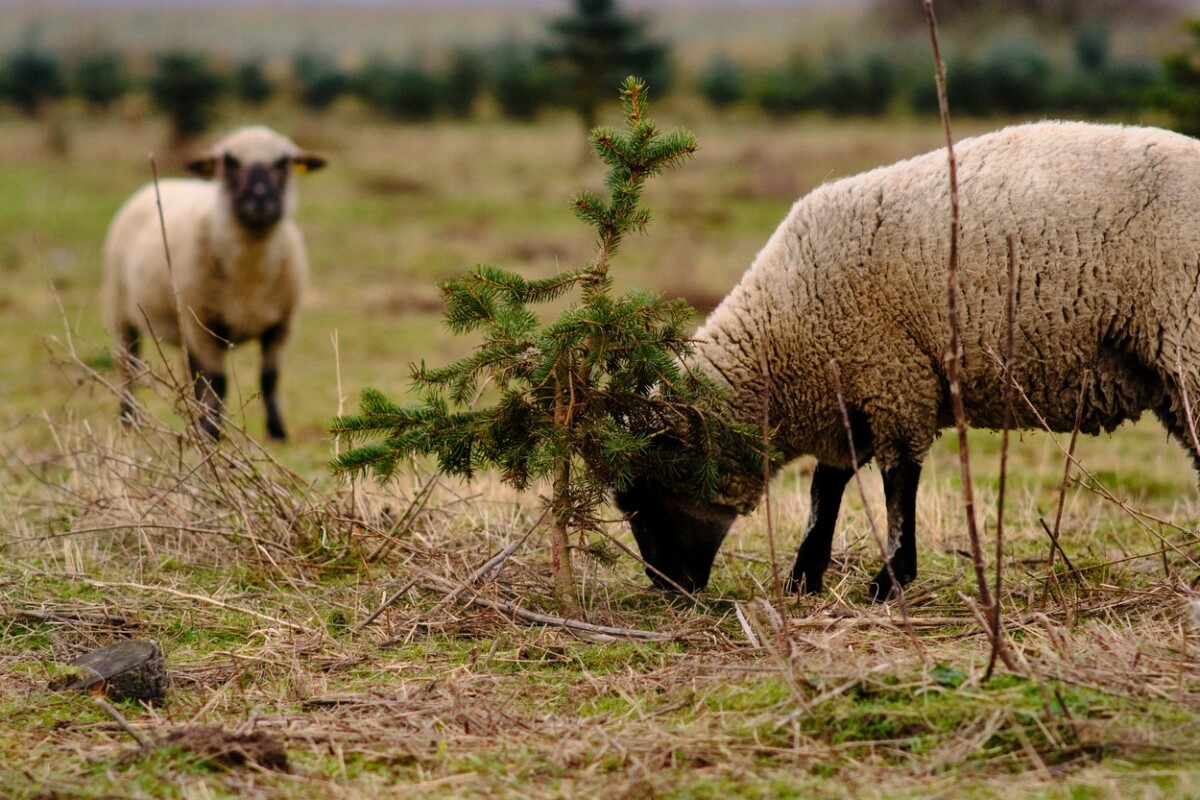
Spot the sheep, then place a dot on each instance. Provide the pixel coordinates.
(1106, 225)
(237, 266)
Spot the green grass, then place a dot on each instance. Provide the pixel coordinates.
(252, 566)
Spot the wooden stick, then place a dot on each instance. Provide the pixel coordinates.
(1009, 314)
(535, 618)
(125, 726)
(1052, 578)
(188, 378)
(200, 598)
(954, 356)
(764, 364)
(570, 624)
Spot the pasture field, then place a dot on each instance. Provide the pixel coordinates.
(257, 571)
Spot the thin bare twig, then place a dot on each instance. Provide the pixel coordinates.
(1189, 420)
(573, 625)
(1009, 315)
(1094, 485)
(142, 741)
(418, 503)
(535, 618)
(1056, 547)
(77, 617)
(200, 598)
(954, 354)
(175, 295)
(1051, 577)
(765, 366)
(491, 565)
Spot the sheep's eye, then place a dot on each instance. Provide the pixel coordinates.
(283, 163)
(231, 163)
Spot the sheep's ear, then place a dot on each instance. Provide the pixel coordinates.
(205, 167)
(307, 162)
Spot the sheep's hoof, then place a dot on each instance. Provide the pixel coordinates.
(804, 583)
(882, 589)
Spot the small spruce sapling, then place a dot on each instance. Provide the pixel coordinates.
(586, 402)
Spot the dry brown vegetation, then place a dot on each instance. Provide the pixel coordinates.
(257, 573)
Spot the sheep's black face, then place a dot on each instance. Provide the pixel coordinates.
(678, 537)
(257, 190)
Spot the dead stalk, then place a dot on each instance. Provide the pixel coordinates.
(142, 741)
(954, 354)
(416, 506)
(777, 585)
(162, 224)
(600, 633)
(1068, 460)
(199, 598)
(1009, 314)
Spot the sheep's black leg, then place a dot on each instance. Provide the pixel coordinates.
(812, 559)
(210, 392)
(128, 342)
(272, 344)
(900, 491)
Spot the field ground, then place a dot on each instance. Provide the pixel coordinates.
(255, 569)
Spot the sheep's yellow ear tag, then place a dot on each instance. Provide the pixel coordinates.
(307, 162)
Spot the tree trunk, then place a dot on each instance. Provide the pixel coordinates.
(560, 503)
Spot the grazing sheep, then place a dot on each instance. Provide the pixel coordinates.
(1106, 223)
(237, 265)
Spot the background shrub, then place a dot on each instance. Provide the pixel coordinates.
(186, 89)
(31, 79)
(251, 85)
(722, 82)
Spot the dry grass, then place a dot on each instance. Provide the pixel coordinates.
(257, 583)
(256, 572)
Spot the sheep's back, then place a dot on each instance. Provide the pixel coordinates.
(1107, 242)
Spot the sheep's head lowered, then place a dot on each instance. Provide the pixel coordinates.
(254, 166)
(678, 536)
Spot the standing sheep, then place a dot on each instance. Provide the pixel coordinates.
(1106, 223)
(237, 267)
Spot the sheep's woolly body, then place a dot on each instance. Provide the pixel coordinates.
(219, 270)
(1106, 224)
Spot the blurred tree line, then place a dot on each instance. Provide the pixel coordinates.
(587, 50)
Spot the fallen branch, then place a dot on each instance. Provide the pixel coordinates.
(492, 563)
(142, 741)
(200, 598)
(77, 618)
(599, 633)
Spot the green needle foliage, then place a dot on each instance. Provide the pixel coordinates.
(588, 401)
